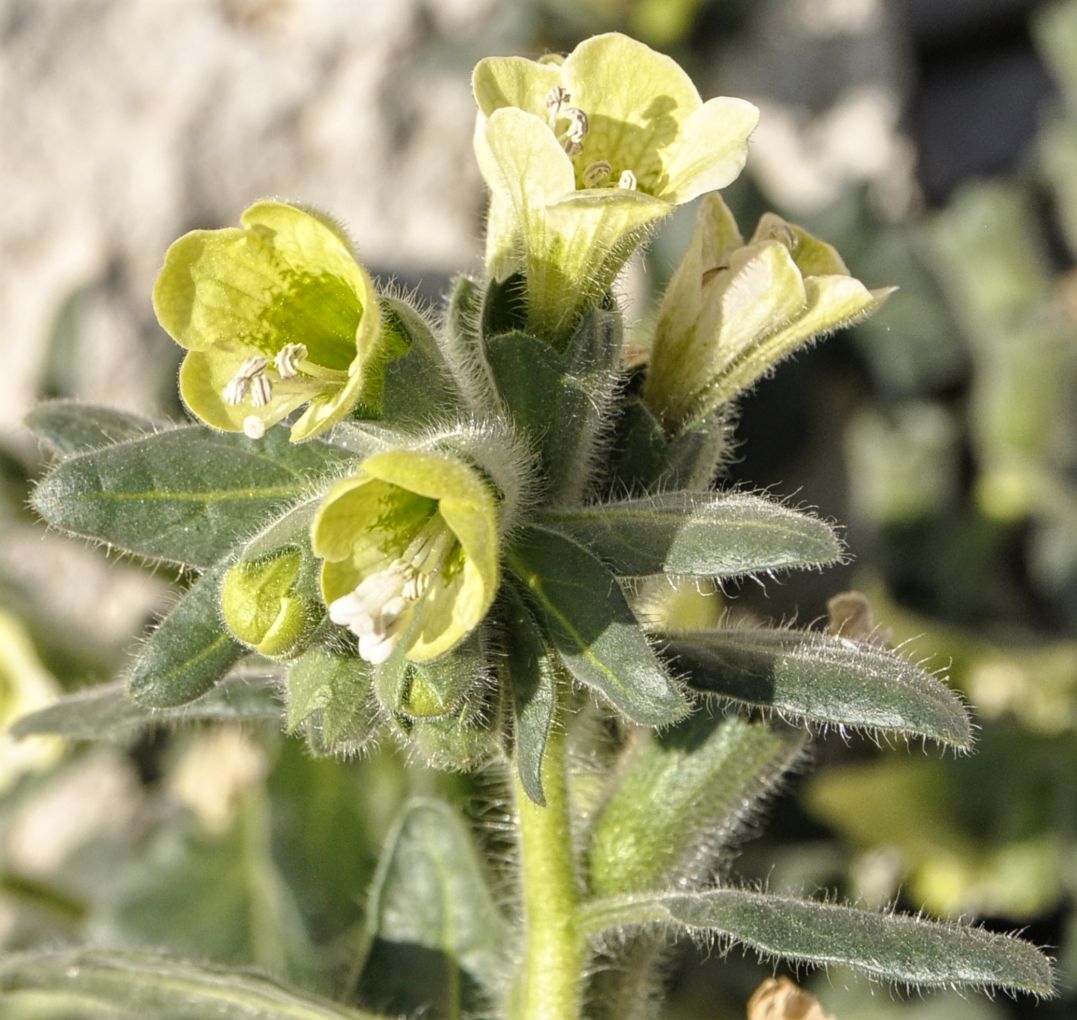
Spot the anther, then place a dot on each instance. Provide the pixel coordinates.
(556, 98)
(239, 385)
(261, 390)
(627, 181)
(596, 173)
(288, 358)
(578, 124)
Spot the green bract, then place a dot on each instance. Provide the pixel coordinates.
(581, 156)
(733, 310)
(274, 315)
(410, 546)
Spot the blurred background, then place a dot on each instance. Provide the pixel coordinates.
(935, 144)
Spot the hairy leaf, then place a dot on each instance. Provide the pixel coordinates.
(187, 495)
(681, 793)
(140, 985)
(593, 629)
(430, 894)
(189, 652)
(822, 679)
(330, 693)
(419, 387)
(70, 427)
(107, 712)
(706, 534)
(529, 676)
(894, 947)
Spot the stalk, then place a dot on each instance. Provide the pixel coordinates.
(550, 983)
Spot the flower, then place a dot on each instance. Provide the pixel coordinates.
(410, 546)
(274, 315)
(733, 310)
(582, 155)
(263, 604)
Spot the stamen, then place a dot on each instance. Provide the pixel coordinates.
(578, 124)
(261, 390)
(288, 357)
(253, 427)
(627, 181)
(784, 234)
(556, 98)
(240, 384)
(571, 148)
(596, 173)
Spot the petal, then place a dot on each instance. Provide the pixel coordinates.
(636, 100)
(513, 81)
(712, 149)
(812, 256)
(203, 377)
(288, 278)
(365, 520)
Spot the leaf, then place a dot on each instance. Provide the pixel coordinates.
(681, 793)
(70, 427)
(419, 387)
(189, 652)
(144, 984)
(822, 679)
(528, 674)
(330, 693)
(187, 495)
(107, 712)
(437, 927)
(894, 947)
(705, 534)
(593, 629)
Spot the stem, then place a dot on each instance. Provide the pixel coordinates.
(551, 982)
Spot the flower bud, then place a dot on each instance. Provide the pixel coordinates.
(263, 607)
(732, 311)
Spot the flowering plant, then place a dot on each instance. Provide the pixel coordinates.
(438, 531)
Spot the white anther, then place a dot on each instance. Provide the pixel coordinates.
(571, 147)
(556, 98)
(253, 427)
(261, 390)
(596, 173)
(627, 181)
(288, 358)
(578, 124)
(240, 384)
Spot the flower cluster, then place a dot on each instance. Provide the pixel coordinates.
(582, 155)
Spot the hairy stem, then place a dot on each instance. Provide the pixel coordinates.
(551, 978)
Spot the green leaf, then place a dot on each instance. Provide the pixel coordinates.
(682, 793)
(189, 652)
(439, 934)
(187, 495)
(329, 693)
(107, 712)
(593, 629)
(144, 985)
(822, 679)
(419, 387)
(706, 534)
(215, 894)
(70, 427)
(893, 947)
(528, 674)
